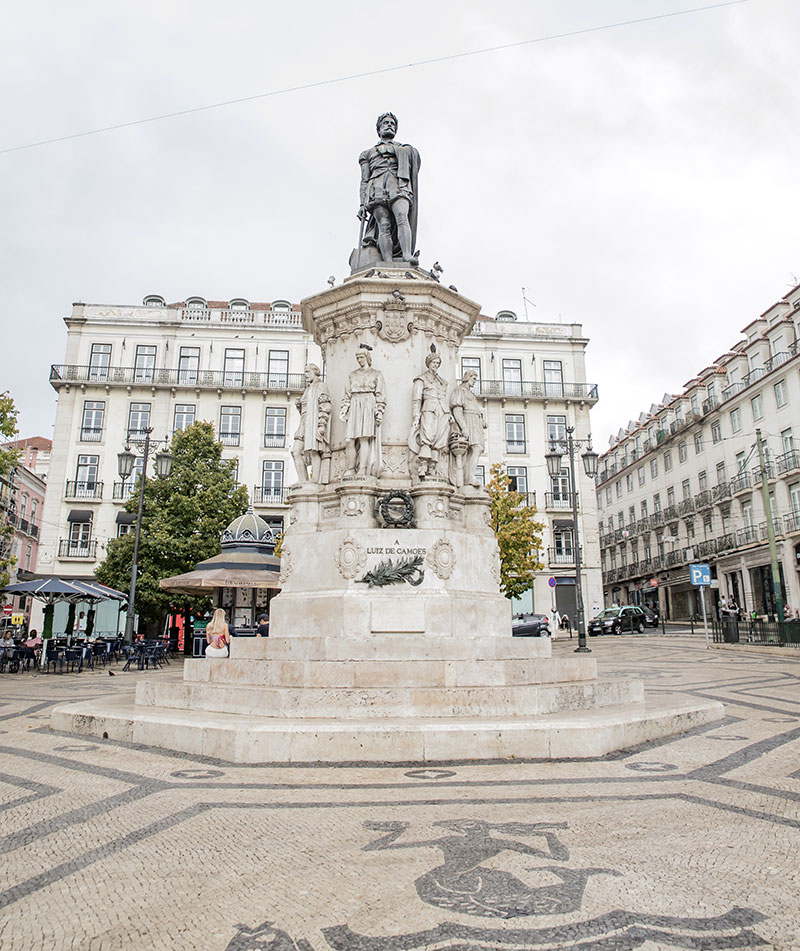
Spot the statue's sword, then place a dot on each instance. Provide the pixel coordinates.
(363, 220)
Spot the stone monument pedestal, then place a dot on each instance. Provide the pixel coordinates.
(391, 640)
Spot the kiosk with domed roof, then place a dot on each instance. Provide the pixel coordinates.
(242, 578)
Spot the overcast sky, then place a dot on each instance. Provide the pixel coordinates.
(641, 180)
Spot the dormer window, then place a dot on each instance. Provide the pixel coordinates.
(281, 305)
(196, 303)
(239, 305)
(506, 316)
(153, 300)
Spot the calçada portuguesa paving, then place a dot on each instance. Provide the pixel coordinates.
(692, 842)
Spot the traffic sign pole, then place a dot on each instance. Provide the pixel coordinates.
(705, 618)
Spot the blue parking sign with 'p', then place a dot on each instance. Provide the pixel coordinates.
(700, 574)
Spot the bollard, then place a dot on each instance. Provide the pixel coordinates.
(663, 625)
(691, 622)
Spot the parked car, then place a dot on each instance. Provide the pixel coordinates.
(530, 625)
(650, 616)
(618, 621)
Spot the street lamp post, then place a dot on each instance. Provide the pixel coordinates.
(553, 460)
(125, 462)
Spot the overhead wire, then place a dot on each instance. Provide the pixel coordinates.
(448, 57)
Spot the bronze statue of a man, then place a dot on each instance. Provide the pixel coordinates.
(388, 195)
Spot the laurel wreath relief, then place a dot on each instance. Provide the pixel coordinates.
(389, 572)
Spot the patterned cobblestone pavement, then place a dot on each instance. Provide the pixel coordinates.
(686, 843)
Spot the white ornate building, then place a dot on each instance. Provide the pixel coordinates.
(240, 365)
(682, 483)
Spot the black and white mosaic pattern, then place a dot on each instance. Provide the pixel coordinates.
(689, 842)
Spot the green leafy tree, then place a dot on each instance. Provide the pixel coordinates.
(182, 519)
(8, 459)
(518, 533)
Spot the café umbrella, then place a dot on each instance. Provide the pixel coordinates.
(51, 590)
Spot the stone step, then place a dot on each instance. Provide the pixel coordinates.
(243, 739)
(389, 673)
(390, 647)
(357, 703)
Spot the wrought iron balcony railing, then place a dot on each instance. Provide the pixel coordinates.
(61, 374)
(83, 490)
(84, 548)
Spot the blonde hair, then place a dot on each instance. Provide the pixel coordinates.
(217, 625)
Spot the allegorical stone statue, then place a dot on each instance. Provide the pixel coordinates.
(469, 428)
(388, 198)
(312, 439)
(430, 421)
(362, 409)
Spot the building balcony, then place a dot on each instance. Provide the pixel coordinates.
(747, 535)
(643, 525)
(534, 390)
(560, 556)
(558, 501)
(763, 529)
(91, 434)
(269, 495)
(606, 540)
(670, 513)
(704, 549)
(726, 542)
(68, 374)
(83, 550)
(620, 534)
(645, 566)
(769, 472)
(84, 490)
(703, 499)
(791, 523)
(674, 558)
(274, 440)
(721, 492)
(711, 403)
(229, 439)
(788, 463)
(686, 507)
(122, 491)
(741, 483)
(657, 563)
(656, 520)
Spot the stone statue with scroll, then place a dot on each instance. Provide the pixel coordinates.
(362, 409)
(468, 439)
(430, 421)
(311, 445)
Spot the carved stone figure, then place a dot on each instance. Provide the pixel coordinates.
(430, 421)
(469, 424)
(388, 196)
(362, 409)
(312, 439)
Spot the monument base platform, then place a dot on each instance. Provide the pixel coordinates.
(233, 738)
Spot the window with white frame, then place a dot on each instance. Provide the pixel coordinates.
(233, 371)
(757, 406)
(641, 475)
(512, 377)
(559, 486)
(781, 394)
(515, 433)
(794, 498)
(184, 416)
(618, 488)
(230, 425)
(480, 474)
(643, 508)
(668, 461)
(144, 364)
(629, 482)
(736, 420)
(686, 489)
(272, 481)
(556, 429)
(80, 536)
(86, 472)
(553, 378)
(188, 365)
(275, 427)
(99, 361)
(518, 476)
(698, 442)
(683, 452)
(787, 440)
(138, 419)
(278, 368)
(702, 480)
(92, 420)
(608, 496)
(654, 468)
(716, 432)
(472, 364)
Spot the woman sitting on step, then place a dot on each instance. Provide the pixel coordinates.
(218, 635)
